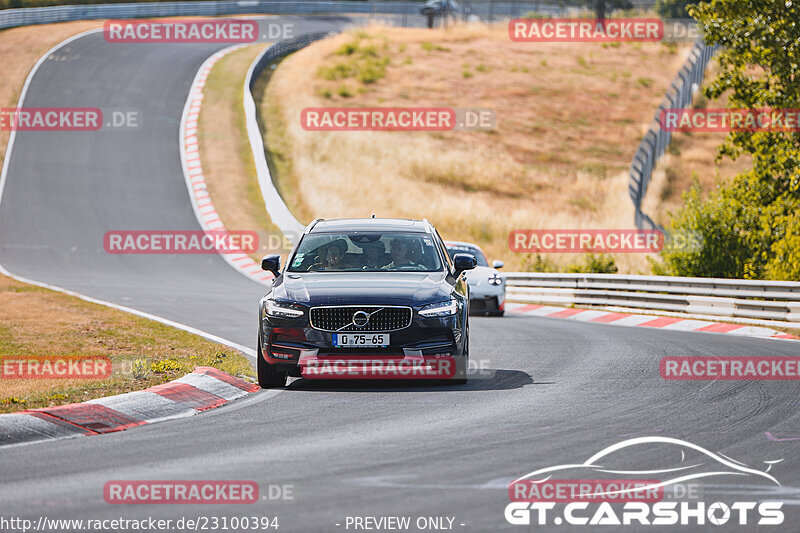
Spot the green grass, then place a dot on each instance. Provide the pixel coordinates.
(431, 47)
(363, 60)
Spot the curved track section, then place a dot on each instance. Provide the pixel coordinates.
(64, 190)
(559, 391)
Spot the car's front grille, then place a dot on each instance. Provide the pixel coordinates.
(381, 318)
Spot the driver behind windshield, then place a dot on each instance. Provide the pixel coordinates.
(399, 249)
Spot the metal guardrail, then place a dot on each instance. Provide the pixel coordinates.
(488, 10)
(277, 209)
(751, 299)
(679, 96)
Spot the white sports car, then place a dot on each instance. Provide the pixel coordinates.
(487, 287)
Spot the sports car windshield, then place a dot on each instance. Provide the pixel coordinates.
(366, 252)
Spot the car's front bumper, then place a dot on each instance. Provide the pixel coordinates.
(486, 298)
(285, 343)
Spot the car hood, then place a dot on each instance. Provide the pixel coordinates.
(369, 288)
(480, 274)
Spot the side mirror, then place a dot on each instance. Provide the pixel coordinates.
(497, 264)
(272, 263)
(463, 262)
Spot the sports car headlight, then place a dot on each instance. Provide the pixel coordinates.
(277, 309)
(441, 309)
(495, 279)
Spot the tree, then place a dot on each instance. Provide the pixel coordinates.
(674, 9)
(753, 220)
(603, 7)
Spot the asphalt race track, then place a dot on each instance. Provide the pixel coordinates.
(559, 391)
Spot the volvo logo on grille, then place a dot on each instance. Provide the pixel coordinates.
(360, 319)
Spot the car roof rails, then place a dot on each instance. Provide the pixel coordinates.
(312, 224)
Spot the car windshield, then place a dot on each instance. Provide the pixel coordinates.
(474, 251)
(364, 251)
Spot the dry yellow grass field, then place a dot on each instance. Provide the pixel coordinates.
(569, 118)
(72, 326)
(40, 322)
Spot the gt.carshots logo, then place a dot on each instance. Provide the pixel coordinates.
(575, 30)
(620, 491)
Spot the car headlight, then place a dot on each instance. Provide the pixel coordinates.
(447, 308)
(278, 309)
(495, 279)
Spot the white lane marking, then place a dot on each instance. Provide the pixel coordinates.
(687, 325)
(3, 177)
(4, 174)
(586, 316)
(214, 338)
(250, 399)
(633, 320)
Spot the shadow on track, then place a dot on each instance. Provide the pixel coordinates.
(481, 380)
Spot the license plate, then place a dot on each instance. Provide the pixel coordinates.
(355, 340)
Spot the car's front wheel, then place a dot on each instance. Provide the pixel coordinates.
(268, 376)
(462, 365)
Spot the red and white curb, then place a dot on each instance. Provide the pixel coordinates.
(645, 321)
(203, 389)
(193, 170)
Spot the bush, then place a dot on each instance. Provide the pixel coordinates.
(139, 369)
(748, 229)
(595, 264)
